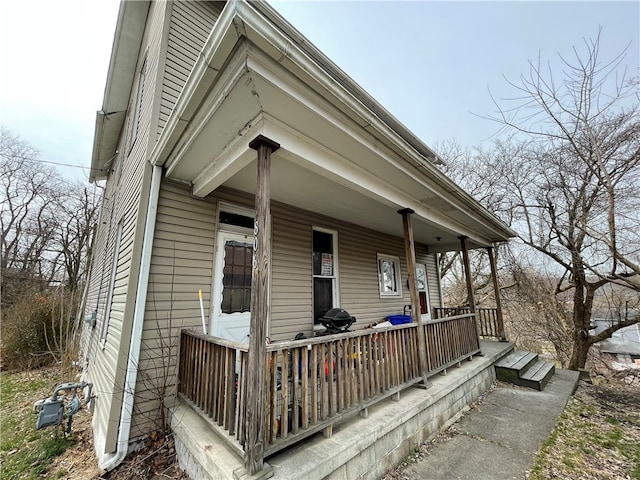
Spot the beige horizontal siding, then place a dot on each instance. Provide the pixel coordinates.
(359, 289)
(190, 26)
(291, 280)
(106, 363)
(181, 264)
(100, 269)
(291, 288)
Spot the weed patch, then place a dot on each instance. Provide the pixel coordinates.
(597, 436)
(25, 453)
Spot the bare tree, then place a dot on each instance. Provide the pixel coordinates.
(46, 222)
(473, 169)
(72, 239)
(573, 188)
(27, 218)
(537, 315)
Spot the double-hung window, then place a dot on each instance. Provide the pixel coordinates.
(325, 275)
(389, 278)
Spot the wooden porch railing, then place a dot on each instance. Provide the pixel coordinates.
(488, 322)
(449, 340)
(211, 375)
(312, 384)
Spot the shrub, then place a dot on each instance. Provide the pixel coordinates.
(37, 329)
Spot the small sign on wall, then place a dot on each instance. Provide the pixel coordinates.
(327, 265)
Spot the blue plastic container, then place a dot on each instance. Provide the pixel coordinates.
(399, 319)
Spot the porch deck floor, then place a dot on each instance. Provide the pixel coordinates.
(370, 445)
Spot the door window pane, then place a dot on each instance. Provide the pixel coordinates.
(236, 281)
(421, 278)
(238, 220)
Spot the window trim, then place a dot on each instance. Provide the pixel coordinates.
(142, 75)
(112, 281)
(235, 208)
(397, 271)
(423, 266)
(335, 280)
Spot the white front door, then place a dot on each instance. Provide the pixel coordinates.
(231, 314)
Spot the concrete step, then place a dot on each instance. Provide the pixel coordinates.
(524, 369)
(538, 375)
(510, 367)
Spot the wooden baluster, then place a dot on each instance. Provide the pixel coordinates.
(315, 385)
(295, 414)
(305, 387)
(284, 416)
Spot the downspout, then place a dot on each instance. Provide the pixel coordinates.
(136, 330)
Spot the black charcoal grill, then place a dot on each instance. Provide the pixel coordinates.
(337, 320)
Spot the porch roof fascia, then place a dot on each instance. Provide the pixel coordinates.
(388, 193)
(132, 17)
(264, 27)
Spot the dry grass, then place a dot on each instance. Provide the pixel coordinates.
(30, 454)
(598, 435)
(27, 453)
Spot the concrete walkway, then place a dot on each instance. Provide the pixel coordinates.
(499, 439)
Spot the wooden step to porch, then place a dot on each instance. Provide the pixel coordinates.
(524, 369)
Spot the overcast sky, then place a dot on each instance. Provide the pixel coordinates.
(431, 64)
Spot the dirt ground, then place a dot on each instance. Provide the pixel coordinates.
(611, 400)
(155, 460)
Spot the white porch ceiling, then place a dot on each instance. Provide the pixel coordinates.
(295, 185)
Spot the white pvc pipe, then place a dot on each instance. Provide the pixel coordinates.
(122, 448)
(204, 324)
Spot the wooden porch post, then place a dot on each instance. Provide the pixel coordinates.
(255, 420)
(496, 290)
(467, 274)
(410, 252)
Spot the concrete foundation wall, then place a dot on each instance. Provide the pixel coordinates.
(199, 451)
(390, 449)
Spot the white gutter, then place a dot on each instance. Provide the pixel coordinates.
(113, 460)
